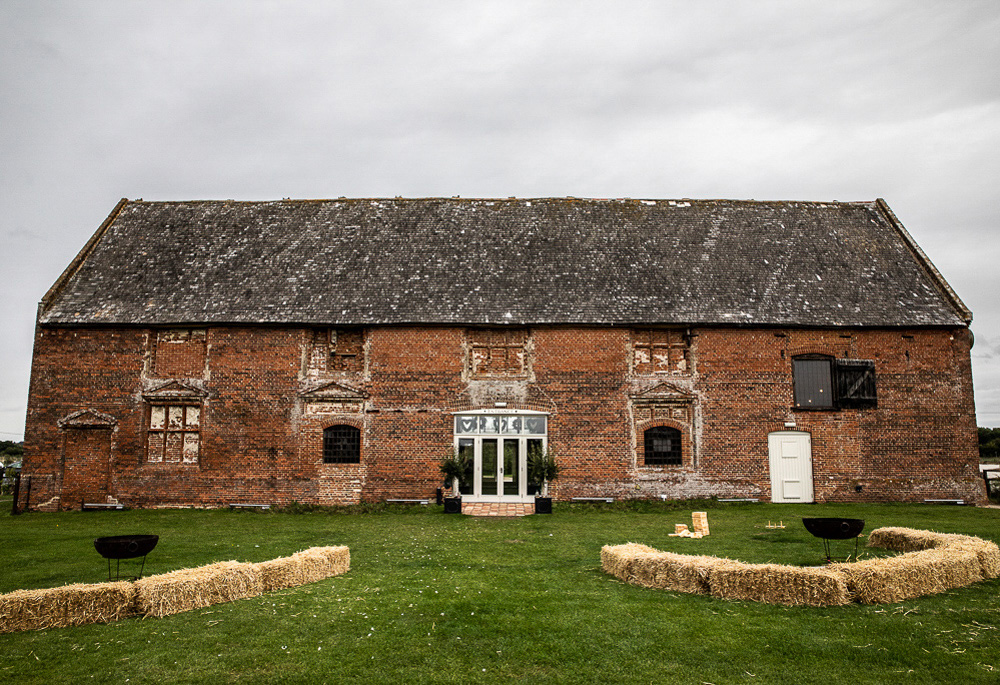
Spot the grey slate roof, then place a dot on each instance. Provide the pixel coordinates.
(503, 261)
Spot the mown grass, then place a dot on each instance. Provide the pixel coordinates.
(432, 598)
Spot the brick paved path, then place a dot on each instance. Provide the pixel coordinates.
(497, 509)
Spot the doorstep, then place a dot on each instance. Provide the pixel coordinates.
(498, 509)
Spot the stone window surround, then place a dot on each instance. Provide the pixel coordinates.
(670, 346)
(160, 421)
(486, 344)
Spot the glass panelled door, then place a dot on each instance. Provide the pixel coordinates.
(489, 470)
(497, 448)
(510, 471)
(501, 468)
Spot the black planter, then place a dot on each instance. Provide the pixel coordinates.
(453, 505)
(543, 505)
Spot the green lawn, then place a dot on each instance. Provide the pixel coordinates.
(434, 598)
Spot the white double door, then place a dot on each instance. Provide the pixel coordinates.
(499, 468)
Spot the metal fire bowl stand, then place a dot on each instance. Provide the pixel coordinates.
(120, 547)
(835, 529)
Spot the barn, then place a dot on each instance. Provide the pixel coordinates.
(206, 353)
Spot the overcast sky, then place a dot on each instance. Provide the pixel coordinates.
(263, 100)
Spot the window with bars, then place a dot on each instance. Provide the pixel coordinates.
(826, 383)
(660, 351)
(174, 433)
(341, 445)
(662, 446)
(497, 352)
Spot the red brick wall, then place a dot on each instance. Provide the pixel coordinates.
(266, 404)
(918, 443)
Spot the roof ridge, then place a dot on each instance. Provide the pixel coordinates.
(568, 198)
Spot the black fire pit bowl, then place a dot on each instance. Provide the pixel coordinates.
(120, 547)
(835, 529)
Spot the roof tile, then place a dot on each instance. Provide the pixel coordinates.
(501, 261)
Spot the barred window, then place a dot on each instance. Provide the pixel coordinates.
(662, 446)
(341, 445)
(174, 433)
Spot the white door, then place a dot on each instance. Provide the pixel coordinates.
(790, 457)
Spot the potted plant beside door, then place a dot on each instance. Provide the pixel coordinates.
(454, 467)
(542, 468)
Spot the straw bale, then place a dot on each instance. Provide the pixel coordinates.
(911, 540)
(69, 605)
(649, 567)
(280, 573)
(930, 571)
(684, 572)
(900, 539)
(931, 563)
(193, 588)
(779, 584)
(307, 566)
(986, 551)
(326, 561)
(618, 560)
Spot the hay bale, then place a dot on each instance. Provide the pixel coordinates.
(684, 572)
(931, 563)
(779, 584)
(912, 540)
(877, 581)
(279, 574)
(193, 588)
(900, 539)
(986, 551)
(307, 566)
(617, 560)
(323, 562)
(70, 605)
(649, 567)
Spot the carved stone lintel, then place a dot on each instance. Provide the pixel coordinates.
(87, 418)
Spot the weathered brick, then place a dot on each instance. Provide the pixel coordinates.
(265, 400)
